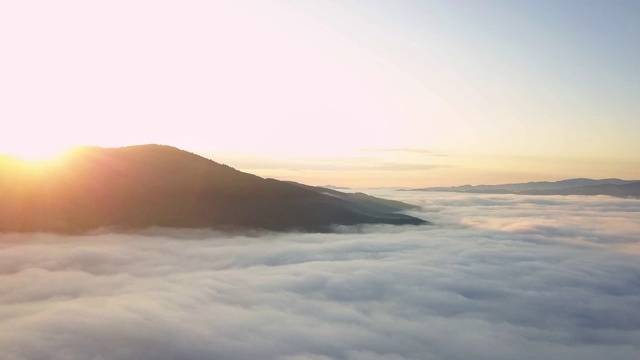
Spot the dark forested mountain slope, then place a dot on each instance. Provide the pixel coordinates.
(155, 185)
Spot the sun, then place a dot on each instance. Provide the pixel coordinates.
(33, 152)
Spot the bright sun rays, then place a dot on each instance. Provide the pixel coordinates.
(34, 151)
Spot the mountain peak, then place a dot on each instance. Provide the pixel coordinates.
(158, 185)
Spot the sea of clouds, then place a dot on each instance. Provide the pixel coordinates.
(495, 277)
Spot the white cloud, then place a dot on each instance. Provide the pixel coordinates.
(497, 277)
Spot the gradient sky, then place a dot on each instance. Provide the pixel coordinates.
(353, 93)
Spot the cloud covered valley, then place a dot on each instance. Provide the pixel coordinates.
(495, 277)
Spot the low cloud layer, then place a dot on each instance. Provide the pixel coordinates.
(498, 277)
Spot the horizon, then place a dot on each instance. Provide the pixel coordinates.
(357, 94)
(264, 172)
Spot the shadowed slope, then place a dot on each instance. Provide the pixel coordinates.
(154, 185)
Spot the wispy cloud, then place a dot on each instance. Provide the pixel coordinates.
(428, 152)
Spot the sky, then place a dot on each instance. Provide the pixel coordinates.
(349, 93)
(497, 277)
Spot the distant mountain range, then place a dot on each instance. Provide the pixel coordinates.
(581, 186)
(154, 185)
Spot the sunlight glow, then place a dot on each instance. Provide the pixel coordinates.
(33, 152)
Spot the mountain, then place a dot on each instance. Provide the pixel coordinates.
(365, 204)
(581, 186)
(624, 190)
(156, 185)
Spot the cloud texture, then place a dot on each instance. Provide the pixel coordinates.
(498, 277)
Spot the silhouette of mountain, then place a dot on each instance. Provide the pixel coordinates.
(156, 185)
(581, 186)
(364, 204)
(625, 190)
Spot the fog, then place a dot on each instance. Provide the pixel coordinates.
(496, 277)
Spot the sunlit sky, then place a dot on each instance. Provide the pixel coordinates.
(349, 93)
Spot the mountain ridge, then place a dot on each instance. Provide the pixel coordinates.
(576, 186)
(158, 185)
